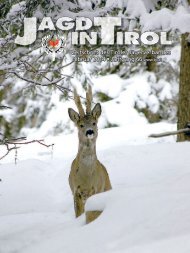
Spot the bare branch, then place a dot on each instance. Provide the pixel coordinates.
(29, 142)
(4, 107)
(8, 151)
(185, 130)
(35, 82)
(58, 69)
(11, 144)
(30, 68)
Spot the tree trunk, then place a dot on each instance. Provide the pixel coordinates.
(184, 88)
(151, 63)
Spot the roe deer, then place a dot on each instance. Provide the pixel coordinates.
(87, 176)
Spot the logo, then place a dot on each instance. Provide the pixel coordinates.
(53, 44)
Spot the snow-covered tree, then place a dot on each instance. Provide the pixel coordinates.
(29, 77)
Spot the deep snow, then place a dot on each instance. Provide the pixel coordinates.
(147, 210)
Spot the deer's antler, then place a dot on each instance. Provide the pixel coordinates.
(88, 100)
(78, 104)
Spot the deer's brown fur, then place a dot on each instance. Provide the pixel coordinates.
(87, 176)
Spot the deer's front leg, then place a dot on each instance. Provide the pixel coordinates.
(78, 203)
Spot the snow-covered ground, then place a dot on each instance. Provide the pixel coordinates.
(147, 210)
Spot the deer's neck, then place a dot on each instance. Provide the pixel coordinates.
(87, 153)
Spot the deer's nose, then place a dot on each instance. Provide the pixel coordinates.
(89, 132)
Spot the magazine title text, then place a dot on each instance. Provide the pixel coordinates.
(110, 32)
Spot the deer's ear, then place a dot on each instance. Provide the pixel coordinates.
(74, 116)
(97, 110)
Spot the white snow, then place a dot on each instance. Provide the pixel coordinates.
(147, 210)
(110, 84)
(16, 8)
(166, 20)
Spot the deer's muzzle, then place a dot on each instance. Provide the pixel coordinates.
(90, 133)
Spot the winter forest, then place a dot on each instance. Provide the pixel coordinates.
(136, 97)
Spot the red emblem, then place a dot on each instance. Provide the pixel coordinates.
(53, 43)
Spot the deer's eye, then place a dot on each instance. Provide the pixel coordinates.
(81, 126)
(94, 124)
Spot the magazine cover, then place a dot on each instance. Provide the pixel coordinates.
(94, 126)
